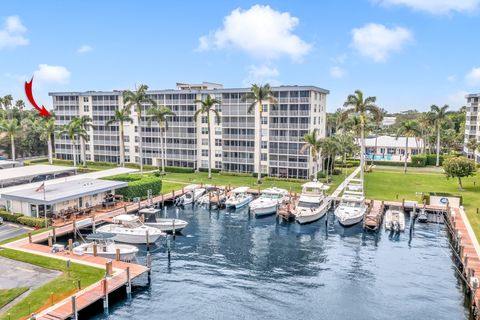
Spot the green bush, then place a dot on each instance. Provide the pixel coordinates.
(284, 179)
(179, 170)
(137, 166)
(419, 160)
(213, 170)
(391, 163)
(321, 175)
(11, 217)
(32, 222)
(138, 185)
(255, 174)
(336, 172)
(432, 159)
(235, 174)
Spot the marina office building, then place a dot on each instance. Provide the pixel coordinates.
(299, 109)
(472, 124)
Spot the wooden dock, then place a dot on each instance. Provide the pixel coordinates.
(374, 215)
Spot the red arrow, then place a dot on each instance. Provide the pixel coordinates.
(28, 91)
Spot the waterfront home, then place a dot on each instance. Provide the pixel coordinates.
(61, 199)
(389, 148)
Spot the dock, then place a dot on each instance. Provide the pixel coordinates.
(373, 217)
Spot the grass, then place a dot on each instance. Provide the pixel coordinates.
(8, 295)
(55, 290)
(391, 185)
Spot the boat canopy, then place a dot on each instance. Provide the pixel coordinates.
(191, 187)
(352, 197)
(241, 190)
(315, 185)
(275, 190)
(125, 218)
(149, 210)
(100, 236)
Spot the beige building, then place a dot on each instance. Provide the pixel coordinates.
(472, 125)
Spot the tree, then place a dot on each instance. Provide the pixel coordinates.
(136, 99)
(72, 130)
(473, 145)
(362, 107)
(426, 123)
(313, 145)
(259, 94)
(159, 114)
(121, 116)
(459, 167)
(408, 129)
(46, 128)
(329, 150)
(438, 116)
(207, 107)
(7, 101)
(20, 104)
(11, 128)
(84, 122)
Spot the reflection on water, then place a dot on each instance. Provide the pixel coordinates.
(230, 266)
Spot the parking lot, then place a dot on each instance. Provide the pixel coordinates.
(9, 230)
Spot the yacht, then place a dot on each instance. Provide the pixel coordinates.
(106, 247)
(268, 201)
(164, 224)
(312, 204)
(239, 198)
(192, 193)
(351, 209)
(128, 229)
(395, 219)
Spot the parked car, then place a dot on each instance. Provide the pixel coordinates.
(1, 220)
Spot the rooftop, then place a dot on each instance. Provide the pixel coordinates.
(26, 172)
(393, 142)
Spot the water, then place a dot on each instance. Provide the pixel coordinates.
(386, 157)
(228, 266)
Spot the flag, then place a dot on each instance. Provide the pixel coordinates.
(41, 188)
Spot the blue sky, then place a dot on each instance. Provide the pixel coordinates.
(408, 53)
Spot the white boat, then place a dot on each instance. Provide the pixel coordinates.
(268, 201)
(395, 219)
(211, 195)
(239, 198)
(164, 224)
(422, 216)
(192, 193)
(127, 228)
(312, 204)
(106, 247)
(351, 209)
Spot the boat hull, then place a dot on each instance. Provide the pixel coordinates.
(264, 211)
(350, 220)
(238, 205)
(304, 219)
(167, 225)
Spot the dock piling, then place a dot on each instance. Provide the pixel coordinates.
(70, 245)
(74, 308)
(54, 233)
(117, 254)
(50, 240)
(173, 231)
(105, 296)
(95, 252)
(147, 240)
(108, 268)
(129, 284)
(168, 249)
(29, 237)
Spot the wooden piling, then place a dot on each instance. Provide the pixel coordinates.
(74, 308)
(95, 250)
(109, 268)
(105, 296)
(70, 245)
(50, 241)
(117, 254)
(29, 237)
(147, 240)
(54, 233)
(129, 282)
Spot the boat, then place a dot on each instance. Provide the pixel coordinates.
(422, 216)
(239, 198)
(192, 193)
(128, 228)
(106, 247)
(312, 204)
(164, 224)
(213, 195)
(351, 209)
(395, 219)
(268, 201)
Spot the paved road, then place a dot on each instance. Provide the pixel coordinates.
(9, 230)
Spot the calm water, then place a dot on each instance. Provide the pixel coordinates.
(228, 266)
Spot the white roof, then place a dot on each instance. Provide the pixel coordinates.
(240, 189)
(125, 218)
(275, 190)
(149, 210)
(315, 185)
(26, 172)
(393, 142)
(352, 197)
(64, 191)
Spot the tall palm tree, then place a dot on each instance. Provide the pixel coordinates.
(136, 99)
(20, 104)
(207, 106)
(313, 145)
(377, 124)
(121, 116)
(46, 128)
(159, 114)
(357, 104)
(72, 130)
(7, 101)
(473, 145)
(259, 95)
(438, 116)
(426, 122)
(408, 129)
(329, 149)
(84, 122)
(11, 128)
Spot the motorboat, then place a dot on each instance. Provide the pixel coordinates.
(239, 198)
(351, 209)
(106, 247)
(164, 224)
(268, 201)
(312, 204)
(395, 219)
(213, 195)
(192, 192)
(422, 216)
(128, 228)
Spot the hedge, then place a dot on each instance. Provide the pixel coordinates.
(213, 170)
(235, 174)
(179, 170)
(419, 160)
(432, 159)
(32, 222)
(138, 185)
(284, 179)
(11, 217)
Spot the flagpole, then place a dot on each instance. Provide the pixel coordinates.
(45, 204)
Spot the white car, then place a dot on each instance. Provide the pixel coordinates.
(1, 220)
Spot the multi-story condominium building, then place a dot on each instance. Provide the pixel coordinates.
(234, 141)
(472, 124)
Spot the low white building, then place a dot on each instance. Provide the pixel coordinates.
(387, 148)
(27, 174)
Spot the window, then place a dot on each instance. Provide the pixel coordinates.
(264, 157)
(86, 108)
(204, 142)
(204, 119)
(218, 165)
(218, 142)
(264, 120)
(314, 120)
(204, 130)
(265, 108)
(264, 132)
(204, 164)
(218, 153)
(85, 99)
(218, 131)
(264, 144)
(204, 153)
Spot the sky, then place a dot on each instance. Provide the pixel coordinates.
(410, 54)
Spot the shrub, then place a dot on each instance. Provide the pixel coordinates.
(32, 222)
(213, 170)
(284, 179)
(432, 159)
(235, 174)
(419, 160)
(321, 175)
(179, 170)
(336, 172)
(11, 217)
(255, 174)
(138, 185)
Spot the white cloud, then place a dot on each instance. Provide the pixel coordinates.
(377, 42)
(84, 49)
(457, 99)
(473, 77)
(51, 74)
(259, 31)
(435, 6)
(337, 72)
(12, 35)
(261, 74)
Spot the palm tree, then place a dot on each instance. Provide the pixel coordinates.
(426, 122)
(313, 145)
(377, 123)
(20, 104)
(84, 122)
(207, 106)
(438, 116)
(121, 116)
(259, 95)
(72, 130)
(473, 145)
(408, 128)
(11, 128)
(135, 99)
(46, 128)
(159, 114)
(329, 150)
(357, 104)
(7, 101)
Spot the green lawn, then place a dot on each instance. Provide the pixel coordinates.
(8, 295)
(381, 185)
(60, 287)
